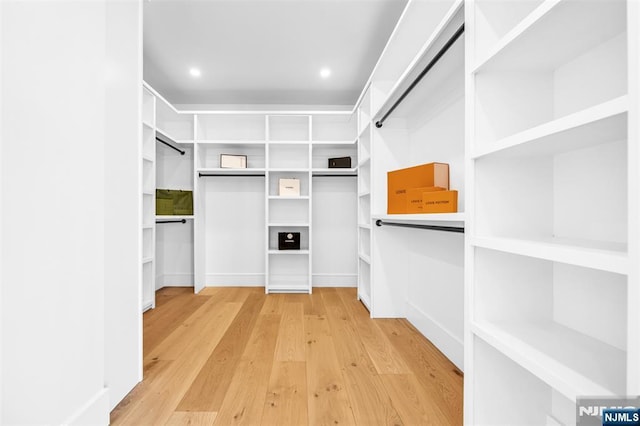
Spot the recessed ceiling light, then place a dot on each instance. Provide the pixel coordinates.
(194, 72)
(325, 72)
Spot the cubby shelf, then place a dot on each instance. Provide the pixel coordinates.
(592, 126)
(336, 172)
(611, 257)
(248, 172)
(551, 33)
(289, 170)
(287, 224)
(329, 144)
(230, 143)
(281, 252)
(284, 197)
(570, 362)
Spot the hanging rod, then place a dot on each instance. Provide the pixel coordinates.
(430, 227)
(430, 65)
(228, 174)
(172, 221)
(171, 146)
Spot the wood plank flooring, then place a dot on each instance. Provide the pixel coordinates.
(235, 356)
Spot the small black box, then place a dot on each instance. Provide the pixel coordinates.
(340, 163)
(288, 241)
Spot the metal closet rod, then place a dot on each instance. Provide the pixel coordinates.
(328, 175)
(172, 221)
(415, 82)
(171, 146)
(459, 230)
(228, 174)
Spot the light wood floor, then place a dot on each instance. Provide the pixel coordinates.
(235, 356)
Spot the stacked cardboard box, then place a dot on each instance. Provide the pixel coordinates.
(421, 189)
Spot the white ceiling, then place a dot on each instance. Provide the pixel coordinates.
(264, 51)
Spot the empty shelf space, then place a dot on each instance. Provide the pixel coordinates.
(571, 362)
(611, 257)
(589, 127)
(554, 31)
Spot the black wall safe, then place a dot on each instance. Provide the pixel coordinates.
(340, 163)
(288, 241)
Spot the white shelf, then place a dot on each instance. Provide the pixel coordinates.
(289, 170)
(172, 139)
(364, 194)
(329, 144)
(610, 257)
(285, 197)
(248, 172)
(551, 34)
(231, 143)
(592, 126)
(148, 192)
(364, 225)
(570, 362)
(365, 258)
(288, 224)
(147, 157)
(425, 219)
(281, 252)
(174, 217)
(335, 172)
(147, 260)
(147, 124)
(147, 226)
(288, 142)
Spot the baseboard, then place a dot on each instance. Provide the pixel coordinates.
(235, 280)
(447, 343)
(174, 280)
(94, 412)
(334, 280)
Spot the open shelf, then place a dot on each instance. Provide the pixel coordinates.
(172, 139)
(231, 127)
(448, 218)
(229, 143)
(333, 127)
(335, 172)
(589, 127)
(611, 257)
(332, 144)
(288, 252)
(285, 197)
(248, 171)
(552, 33)
(571, 362)
(288, 224)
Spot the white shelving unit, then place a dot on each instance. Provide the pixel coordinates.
(426, 126)
(552, 208)
(148, 199)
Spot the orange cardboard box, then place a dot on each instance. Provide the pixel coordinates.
(414, 198)
(440, 202)
(400, 181)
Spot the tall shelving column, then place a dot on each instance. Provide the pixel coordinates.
(288, 156)
(364, 200)
(148, 199)
(552, 208)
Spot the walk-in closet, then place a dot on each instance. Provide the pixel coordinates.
(270, 212)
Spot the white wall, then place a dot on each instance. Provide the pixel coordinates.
(123, 317)
(53, 117)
